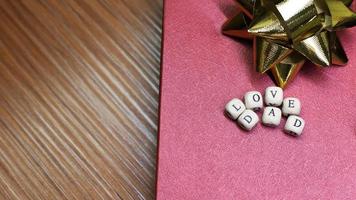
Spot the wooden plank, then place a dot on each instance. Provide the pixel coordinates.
(78, 98)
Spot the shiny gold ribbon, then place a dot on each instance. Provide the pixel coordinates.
(286, 33)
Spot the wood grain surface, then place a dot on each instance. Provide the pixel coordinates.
(78, 98)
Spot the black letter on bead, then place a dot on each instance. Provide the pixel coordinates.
(291, 103)
(275, 92)
(271, 112)
(237, 109)
(248, 118)
(258, 97)
(297, 123)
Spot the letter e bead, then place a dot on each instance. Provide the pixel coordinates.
(294, 125)
(253, 100)
(235, 108)
(248, 119)
(273, 96)
(271, 116)
(291, 106)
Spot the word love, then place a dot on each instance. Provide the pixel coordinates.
(245, 112)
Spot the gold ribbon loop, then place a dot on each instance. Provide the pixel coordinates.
(288, 32)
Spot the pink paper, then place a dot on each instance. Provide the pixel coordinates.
(204, 155)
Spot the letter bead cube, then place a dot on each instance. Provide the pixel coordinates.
(271, 116)
(291, 106)
(234, 108)
(248, 119)
(253, 100)
(294, 125)
(273, 96)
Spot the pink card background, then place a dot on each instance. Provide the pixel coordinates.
(203, 155)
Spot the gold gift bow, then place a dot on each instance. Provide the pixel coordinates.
(286, 33)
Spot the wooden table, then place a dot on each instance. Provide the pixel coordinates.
(78, 98)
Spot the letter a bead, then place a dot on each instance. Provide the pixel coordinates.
(271, 116)
(253, 100)
(235, 108)
(248, 119)
(273, 96)
(294, 125)
(291, 106)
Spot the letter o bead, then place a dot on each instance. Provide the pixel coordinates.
(294, 125)
(291, 106)
(271, 116)
(234, 108)
(273, 96)
(253, 100)
(248, 119)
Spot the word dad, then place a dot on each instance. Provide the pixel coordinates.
(244, 113)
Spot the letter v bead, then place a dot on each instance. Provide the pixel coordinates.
(273, 96)
(274, 93)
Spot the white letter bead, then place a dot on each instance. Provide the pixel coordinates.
(291, 106)
(253, 100)
(248, 119)
(294, 125)
(235, 108)
(273, 96)
(271, 116)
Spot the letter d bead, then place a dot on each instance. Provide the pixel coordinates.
(248, 119)
(294, 125)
